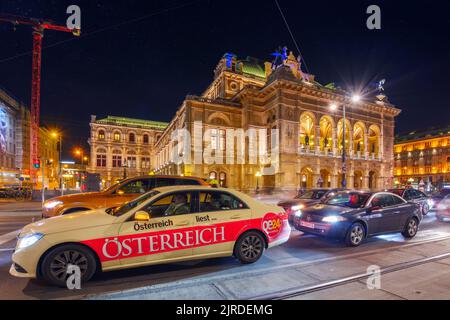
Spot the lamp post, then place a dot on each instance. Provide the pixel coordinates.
(333, 107)
(257, 175)
(58, 136)
(124, 169)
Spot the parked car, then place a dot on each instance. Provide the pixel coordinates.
(353, 216)
(438, 196)
(114, 196)
(165, 225)
(305, 199)
(443, 209)
(416, 196)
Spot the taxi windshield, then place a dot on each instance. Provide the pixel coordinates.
(118, 211)
(313, 194)
(350, 199)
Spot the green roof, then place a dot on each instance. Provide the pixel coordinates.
(425, 134)
(120, 121)
(253, 67)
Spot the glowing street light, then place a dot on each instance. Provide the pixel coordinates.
(356, 98)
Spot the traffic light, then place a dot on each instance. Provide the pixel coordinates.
(37, 164)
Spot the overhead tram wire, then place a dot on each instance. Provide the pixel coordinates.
(292, 35)
(86, 35)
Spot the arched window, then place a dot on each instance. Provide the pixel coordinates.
(101, 135)
(132, 137)
(117, 136)
(306, 130)
(146, 139)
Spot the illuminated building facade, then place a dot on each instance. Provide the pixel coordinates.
(122, 147)
(14, 140)
(253, 94)
(423, 156)
(49, 157)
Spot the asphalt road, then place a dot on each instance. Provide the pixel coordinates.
(300, 249)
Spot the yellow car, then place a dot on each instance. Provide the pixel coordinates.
(168, 224)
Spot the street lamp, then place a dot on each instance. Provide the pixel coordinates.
(80, 153)
(124, 165)
(58, 136)
(257, 175)
(333, 107)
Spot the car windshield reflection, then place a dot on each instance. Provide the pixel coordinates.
(350, 199)
(312, 195)
(131, 204)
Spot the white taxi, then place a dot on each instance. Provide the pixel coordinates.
(166, 225)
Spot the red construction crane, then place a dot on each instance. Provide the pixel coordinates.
(38, 26)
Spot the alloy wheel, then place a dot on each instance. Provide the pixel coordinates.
(251, 247)
(356, 235)
(60, 263)
(412, 227)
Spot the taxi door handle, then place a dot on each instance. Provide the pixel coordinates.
(235, 217)
(182, 223)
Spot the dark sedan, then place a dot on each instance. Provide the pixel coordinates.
(305, 199)
(353, 216)
(416, 196)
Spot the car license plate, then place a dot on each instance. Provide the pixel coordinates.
(307, 224)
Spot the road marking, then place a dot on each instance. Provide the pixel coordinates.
(9, 236)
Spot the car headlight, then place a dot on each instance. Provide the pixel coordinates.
(298, 207)
(28, 240)
(52, 204)
(298, 213)
(333, 219)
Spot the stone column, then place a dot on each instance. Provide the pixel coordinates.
(317, 139)
(335, 141)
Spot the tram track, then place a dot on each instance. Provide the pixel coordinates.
(285, 294)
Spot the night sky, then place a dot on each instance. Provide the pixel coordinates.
(141, 58)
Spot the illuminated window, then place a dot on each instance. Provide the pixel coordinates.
(101, 160)
(217, 139)
(145, 163)
(131, 162)
(101, 135)
(117, 161)
(116, 136)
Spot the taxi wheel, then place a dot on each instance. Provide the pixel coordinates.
(355, 235)
(411, 228)
(55, 263)
(250, 247)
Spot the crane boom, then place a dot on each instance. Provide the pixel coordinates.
(38, 26)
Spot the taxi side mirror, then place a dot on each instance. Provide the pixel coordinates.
(141, 216)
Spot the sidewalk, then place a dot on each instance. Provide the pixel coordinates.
(430, 281)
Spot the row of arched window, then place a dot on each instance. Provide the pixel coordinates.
(117, 137)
